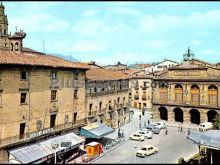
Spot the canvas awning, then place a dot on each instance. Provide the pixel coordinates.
(96, 130)
(35, 152)
(208, 139)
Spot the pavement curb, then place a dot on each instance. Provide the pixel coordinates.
(108, 151)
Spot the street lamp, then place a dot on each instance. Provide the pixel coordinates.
(54, 147)
(135, 153)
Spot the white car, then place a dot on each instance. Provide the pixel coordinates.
(146, 150)
(161, 124)
(137, 136)
(205, 126)
(146, 133)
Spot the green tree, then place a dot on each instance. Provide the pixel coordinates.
(216, 122)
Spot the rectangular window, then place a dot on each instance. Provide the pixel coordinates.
(100, 105)
(75, 94)
(52, 120)
(22, 130)
(123, 99)
(24, 75)
(74, 117)
(90, 106)
(118, 99)
(53, 95)
(75, 75)
(53, 75)
(23, 98)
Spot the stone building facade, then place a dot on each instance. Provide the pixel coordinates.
(107, 97)
(40, 95)
(141, 91)
(187, 93)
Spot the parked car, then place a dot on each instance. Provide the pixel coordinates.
(205, 126)
(161, 124)
(146, 150)
(146, 133)
(137, 136)
(154, 128)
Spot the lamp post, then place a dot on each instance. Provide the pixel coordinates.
(55, 146)
(135, 154)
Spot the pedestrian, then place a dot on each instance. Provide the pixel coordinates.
(145, 124)
(181, 128)
(148, 121)
(188, 131)
(166, 131)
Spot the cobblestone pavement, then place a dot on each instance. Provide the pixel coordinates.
(171, 146)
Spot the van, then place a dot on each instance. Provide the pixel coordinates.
(205, 126)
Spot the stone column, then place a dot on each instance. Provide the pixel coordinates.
(171, 115)
(186, 116)
(203, 115)
(156, 114)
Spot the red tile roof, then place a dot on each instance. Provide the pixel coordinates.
(105, 74)
(36, 59)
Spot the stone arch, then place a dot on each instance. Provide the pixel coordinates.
(178, 114)
(211, 114)
(195, 94)
(16, 46)
(178, 90)
(163, 113)
(195, 116)
(212, 95)
(163, 89)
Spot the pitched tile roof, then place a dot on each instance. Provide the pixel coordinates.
(105, 74)
(36, 59)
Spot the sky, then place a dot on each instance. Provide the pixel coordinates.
(129, 32)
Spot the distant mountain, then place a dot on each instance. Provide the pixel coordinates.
(67, 57)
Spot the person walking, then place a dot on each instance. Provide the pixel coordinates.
(181, 128)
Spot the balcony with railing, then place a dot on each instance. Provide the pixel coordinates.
(38, 134)
(136, 96)
(144, 97)
(101, 111)
(54, 83)
(92, 114)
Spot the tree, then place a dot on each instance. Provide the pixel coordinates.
(216, 122)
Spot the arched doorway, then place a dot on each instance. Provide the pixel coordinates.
(195, 116)
(212, 95)
(178, 115)
(163, 113)
(178, 90)
(212, 115)
(195, 94)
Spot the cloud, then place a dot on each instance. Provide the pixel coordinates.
(90, 13)
(196, 42)
(155, 44)
(90, 27)
(126, 11)
(210, 52)
(88, 46)
(40, 22)
(195, 21)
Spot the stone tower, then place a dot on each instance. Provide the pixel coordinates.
(4, 40)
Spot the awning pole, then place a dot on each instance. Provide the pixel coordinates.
(211, 156)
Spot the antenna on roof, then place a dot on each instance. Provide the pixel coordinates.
(43, 47)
